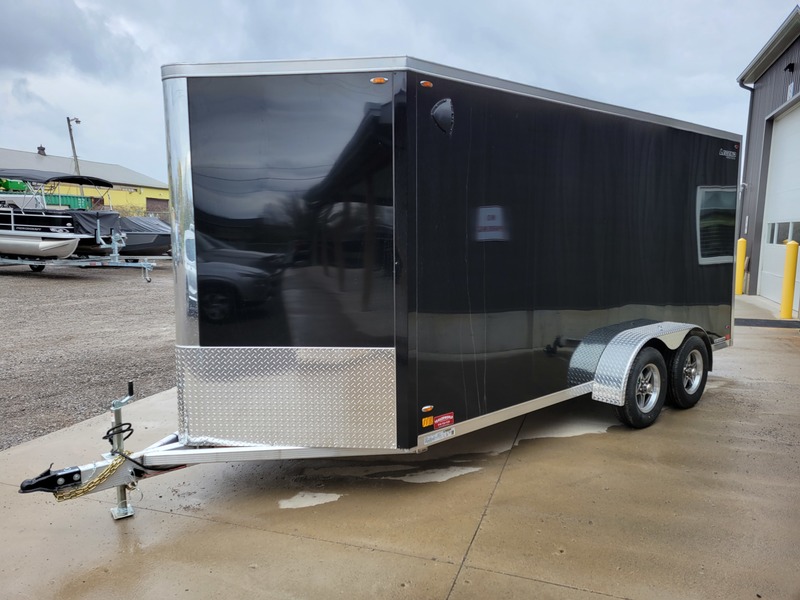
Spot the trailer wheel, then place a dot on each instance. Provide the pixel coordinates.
(688, 373)
(37, 268)
(645, 390)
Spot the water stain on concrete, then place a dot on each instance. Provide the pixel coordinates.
(435, 475)
(358, 472)
(307, 499)
(570, 420)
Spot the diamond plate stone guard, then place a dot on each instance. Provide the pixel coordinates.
(301, 397)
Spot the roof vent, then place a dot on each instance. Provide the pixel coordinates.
(41, 151)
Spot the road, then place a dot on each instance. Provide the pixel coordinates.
(563, 503)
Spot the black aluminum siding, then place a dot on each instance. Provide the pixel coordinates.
(596, 225)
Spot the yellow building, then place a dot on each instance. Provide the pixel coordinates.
(132, 194)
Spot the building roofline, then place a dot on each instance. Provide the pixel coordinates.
(786, 34)
(117, 174)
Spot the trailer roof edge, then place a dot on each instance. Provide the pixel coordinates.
(407, 63)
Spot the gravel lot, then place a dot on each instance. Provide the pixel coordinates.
(71, 340)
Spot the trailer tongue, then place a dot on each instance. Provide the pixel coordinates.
(373, 256)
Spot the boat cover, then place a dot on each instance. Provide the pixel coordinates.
(85, 221)
(144, 224)
(36, 176)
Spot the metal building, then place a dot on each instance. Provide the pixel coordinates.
(771, 188)
(133, 191)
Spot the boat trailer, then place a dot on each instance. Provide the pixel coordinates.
(37, 265)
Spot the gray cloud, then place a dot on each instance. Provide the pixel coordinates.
(21, 91)
(44, 37)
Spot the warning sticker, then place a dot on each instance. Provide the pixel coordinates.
(444, 420)
(427, 421)
(491, 224)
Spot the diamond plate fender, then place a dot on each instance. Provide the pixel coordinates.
(618, 356)
(584, 361)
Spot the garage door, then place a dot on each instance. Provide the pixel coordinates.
(782, 206)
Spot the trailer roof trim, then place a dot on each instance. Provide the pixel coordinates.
(407, 63)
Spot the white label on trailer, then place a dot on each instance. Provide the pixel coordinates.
(438, 436)
(490, 224)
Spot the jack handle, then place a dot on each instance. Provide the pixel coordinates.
(117, 404)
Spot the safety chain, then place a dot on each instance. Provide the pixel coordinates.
(89, 487)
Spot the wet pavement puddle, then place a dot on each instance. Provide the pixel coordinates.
(435, 475)
(307, 499)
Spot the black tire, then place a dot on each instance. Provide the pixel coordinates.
(645, 390)
(688, 373)
(37, 268)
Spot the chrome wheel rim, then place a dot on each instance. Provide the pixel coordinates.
(648, 388)
(692, 372)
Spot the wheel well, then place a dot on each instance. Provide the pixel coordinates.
(662, 348)
(704, 336)
(669, 354)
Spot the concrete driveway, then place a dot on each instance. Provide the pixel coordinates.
(563, 503)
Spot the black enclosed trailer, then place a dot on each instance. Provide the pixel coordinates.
(375, 255)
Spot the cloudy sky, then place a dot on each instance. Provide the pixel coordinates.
(100, 60)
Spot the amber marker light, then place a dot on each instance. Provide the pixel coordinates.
(426, 84)
(378, 80)
(427, 408)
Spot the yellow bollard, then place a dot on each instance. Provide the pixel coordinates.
(741, 253)
(789, 274)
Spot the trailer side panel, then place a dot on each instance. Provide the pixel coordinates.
(539, 222)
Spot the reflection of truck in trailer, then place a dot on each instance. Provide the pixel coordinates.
(454, 250)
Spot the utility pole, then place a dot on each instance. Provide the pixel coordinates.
(77, 121)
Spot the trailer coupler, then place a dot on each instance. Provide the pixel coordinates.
(52, 481)
(66, 484)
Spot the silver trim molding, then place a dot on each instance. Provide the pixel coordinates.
(407, 63)
(430, 438)
(179, 159)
